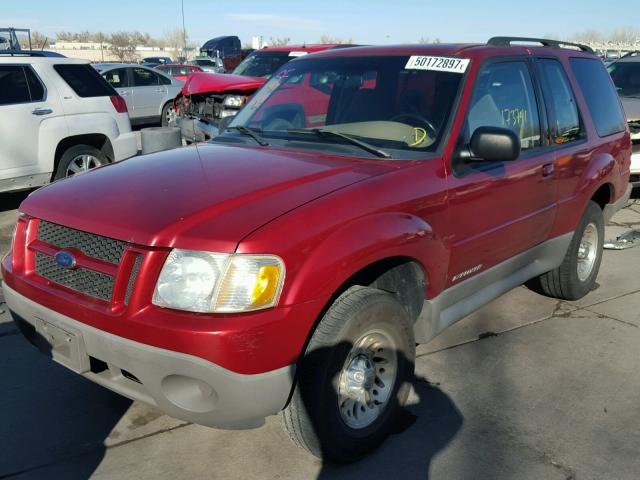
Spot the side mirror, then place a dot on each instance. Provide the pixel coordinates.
(492, 144)
(224, 123)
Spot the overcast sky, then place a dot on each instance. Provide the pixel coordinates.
(365, 21)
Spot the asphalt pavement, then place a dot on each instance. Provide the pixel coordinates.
(526, 388)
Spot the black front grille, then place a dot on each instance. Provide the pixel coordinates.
(79, 279)
(95, 246)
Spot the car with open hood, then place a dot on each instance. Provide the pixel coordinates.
(205, 99)
(361, 202)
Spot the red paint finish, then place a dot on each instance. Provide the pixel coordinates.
(326, 216)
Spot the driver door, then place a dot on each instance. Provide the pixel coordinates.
(501, 209)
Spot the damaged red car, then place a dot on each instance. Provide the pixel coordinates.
(206, 98)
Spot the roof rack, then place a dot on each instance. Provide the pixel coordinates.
(30, 53)
(545, 42)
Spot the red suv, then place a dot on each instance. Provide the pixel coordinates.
(361, 202)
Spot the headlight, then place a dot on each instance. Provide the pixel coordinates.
(218, 282)
(234, 101)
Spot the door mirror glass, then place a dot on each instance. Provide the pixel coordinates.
(224, 123)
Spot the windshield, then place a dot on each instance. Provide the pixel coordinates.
(205, 63)
(262, 64)
(374, 99)
(626, 76)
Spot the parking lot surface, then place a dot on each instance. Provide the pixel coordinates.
(528, 387)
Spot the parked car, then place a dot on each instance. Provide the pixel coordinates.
(155, 61)
(626, 76)
(149, 94)
(58, 117)
(205, 99)
(227, 49)
(208, 64)
(179, 71)
(361, 202)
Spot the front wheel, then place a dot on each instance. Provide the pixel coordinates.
(354, 377)
(167, 115)
(576, 276)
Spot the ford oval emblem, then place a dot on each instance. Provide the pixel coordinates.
(65, 259)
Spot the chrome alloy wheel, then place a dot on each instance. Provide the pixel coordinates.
(82, 163)
(367, 379)
(587, 251)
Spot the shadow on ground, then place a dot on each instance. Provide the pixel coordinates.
(50, 415)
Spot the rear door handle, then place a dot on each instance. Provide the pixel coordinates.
(548, 169)
(123, 93)
(42, 111)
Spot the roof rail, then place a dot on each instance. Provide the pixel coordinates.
(545, 42)
(30, 53)
(630, 54)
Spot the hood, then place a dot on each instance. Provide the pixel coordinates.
(207, 197)
(201, 82)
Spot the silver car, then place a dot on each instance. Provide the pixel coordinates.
(148, 93)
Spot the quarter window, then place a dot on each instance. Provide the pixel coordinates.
(599, 94)
(564, 118)
(504, 97)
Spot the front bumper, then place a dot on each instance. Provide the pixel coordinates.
(124, 146)
(184, 386)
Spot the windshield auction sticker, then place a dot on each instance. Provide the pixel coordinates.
(439, 64)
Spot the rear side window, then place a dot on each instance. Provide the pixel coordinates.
(564, 118)
(144, 78)
(600, 95)
(84, 80)
(19, 84)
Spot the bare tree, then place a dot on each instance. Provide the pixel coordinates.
(335, 40)
(64, 36)
(278, 41)
(123, 46)
(175, 41)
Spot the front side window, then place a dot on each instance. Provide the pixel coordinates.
(386, 101)
(117, 78)
(626, 77)
(13, 85)
(564, 119)
(503, 97)
(599, 94)
(144, 78)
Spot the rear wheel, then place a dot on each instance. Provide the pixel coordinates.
(353, 378)
(79, 159)
(576, 276)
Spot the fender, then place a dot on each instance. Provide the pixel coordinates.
(602, 169)
(360, 243)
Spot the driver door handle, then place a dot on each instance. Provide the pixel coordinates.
(548, 169)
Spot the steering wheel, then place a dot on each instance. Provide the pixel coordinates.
(422, 122)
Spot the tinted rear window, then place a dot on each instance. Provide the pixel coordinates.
(600, 95)
(13, 85)
(84, 80)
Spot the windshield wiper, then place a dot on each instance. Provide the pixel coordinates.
(319, 132)
(251, 132)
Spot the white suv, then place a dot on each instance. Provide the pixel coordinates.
(58, 117)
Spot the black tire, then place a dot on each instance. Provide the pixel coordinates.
(313, 418)
(72, 153)
(564, 281)
(164, 117)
